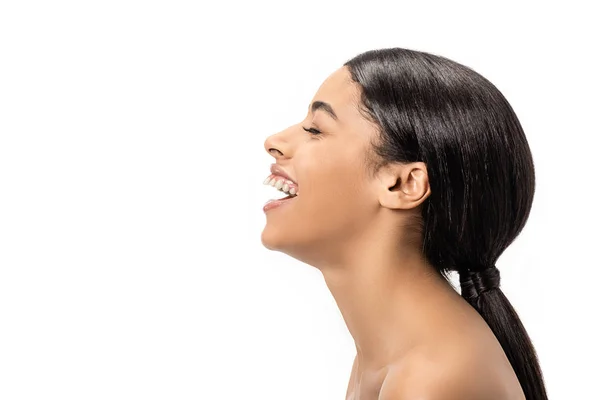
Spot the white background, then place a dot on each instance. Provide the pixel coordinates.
(131, 170)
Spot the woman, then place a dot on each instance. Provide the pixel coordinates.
(408, 166)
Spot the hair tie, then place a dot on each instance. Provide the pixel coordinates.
(473, 283)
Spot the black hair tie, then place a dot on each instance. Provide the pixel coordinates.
(473, 283)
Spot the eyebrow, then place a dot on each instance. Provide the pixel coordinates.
(321, 105)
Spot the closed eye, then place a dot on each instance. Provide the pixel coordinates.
(312, 130)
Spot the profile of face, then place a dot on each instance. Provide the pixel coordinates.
(325, 154)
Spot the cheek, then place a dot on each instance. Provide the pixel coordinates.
(335, 170)
(335, 189)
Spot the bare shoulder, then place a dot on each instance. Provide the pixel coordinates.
(451, 375)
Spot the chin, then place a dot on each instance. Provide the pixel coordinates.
(270, 239)
(281, 239)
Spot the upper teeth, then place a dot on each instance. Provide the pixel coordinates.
(282, 184)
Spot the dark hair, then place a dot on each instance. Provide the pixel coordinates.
(481, 174)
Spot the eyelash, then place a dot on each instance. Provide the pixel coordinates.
(312, 130)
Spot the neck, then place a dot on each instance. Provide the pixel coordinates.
(389, 299)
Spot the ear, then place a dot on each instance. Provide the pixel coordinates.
(403, 186)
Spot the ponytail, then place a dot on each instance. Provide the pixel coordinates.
(481, 289)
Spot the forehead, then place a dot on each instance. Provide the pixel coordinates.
(341, 93)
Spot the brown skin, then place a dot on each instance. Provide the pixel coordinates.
(416, 338)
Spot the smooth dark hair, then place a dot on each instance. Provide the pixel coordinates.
(481, 174)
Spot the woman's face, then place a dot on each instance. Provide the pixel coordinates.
(336, 198)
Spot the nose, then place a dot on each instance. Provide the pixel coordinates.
(279, 144)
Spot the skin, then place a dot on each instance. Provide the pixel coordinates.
(416, 338)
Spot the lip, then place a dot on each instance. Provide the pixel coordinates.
(277, 203)
(277, 170)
